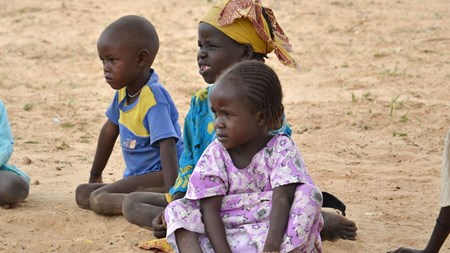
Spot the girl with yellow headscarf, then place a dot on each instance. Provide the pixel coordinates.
(248, 22)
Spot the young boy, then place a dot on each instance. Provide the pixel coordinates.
(14, 183)
(142, 113)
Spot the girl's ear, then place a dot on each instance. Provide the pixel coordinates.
(143, 57)
(260, 120)
(247, 52)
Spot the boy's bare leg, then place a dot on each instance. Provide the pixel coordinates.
(187, 241)
(108, 199)
(337, 227)
(83, 194)
(13, 189)
(140, 208)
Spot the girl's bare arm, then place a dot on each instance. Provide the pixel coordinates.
(281, 205)
(215, 230)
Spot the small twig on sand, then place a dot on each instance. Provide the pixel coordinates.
(356, 25)
(434, 39)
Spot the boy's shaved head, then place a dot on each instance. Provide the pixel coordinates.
(137, 32)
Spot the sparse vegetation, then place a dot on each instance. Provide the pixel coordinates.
(404, 119)
(385, 72)
(393, 105)
(396, 133)
(67, 125)
(354, 98)
(369, 96)
(31, 142)
(28, 107)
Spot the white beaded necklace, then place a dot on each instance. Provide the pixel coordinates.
(137, 93)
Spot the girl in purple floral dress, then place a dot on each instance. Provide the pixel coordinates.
(250, 191)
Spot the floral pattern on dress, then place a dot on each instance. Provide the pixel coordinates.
(247, 198)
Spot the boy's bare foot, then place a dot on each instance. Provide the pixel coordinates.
(337, 227)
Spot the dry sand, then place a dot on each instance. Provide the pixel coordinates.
(369, 111)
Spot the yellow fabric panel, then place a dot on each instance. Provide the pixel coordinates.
(133, 118)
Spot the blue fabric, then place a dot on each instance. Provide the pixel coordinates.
(150, 118)
(7, 145)
(198, 133)
(6, 138)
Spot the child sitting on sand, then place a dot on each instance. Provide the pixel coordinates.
(250, 190)
(14, 183)
(142, 113)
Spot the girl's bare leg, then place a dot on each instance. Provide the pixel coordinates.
(187, 241)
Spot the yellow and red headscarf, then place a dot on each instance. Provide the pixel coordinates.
(244, 22)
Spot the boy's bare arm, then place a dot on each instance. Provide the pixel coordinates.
(215, 229)
(106, 140)
(169, 161)
(281, 205)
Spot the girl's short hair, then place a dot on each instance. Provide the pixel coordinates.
(260, 88)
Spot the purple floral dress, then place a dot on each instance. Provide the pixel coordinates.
(248, 198)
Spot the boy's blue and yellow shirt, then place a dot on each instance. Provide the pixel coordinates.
(150, 118)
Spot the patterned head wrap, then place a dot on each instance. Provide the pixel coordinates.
(244, 22)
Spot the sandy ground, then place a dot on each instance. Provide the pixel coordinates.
(369, 111)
